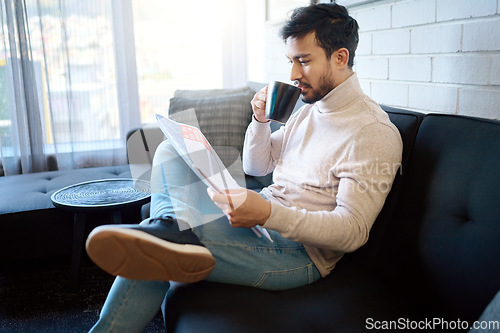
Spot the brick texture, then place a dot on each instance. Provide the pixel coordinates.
(462, 69)
(413, 13)
(410, 68)
(434, 98)
(436, 39)
(495, 70)
(426, 55)
(442, 55)
(395, 41)
(453, 9)
(482, 35)
(479, 102)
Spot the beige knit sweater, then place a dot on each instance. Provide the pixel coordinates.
(334, 163)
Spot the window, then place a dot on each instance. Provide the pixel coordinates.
(178, 46)
(75, 75)
(57, 72)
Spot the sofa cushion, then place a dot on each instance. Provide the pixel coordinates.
(342, 302)
(446, 231)
(32, 191)
(31, 227)
(223, 119)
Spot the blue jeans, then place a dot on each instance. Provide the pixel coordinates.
(241, 257)
(489, 320)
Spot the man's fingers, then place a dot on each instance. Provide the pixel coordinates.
(218, 198)
(259, 100)
(262, 96)
(232, 198)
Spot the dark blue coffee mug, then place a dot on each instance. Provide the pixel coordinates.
(281, 99)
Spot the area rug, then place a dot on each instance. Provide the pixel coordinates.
(41, 300)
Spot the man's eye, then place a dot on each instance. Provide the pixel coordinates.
(302, 62)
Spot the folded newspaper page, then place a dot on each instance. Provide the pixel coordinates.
(195, 149)
(200, 156)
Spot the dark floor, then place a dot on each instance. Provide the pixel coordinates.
(41, 300)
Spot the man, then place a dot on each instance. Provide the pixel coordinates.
(333, 162)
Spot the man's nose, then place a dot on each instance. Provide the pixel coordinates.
(295, 72)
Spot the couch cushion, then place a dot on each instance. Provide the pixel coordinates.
(31, 227)
(342, 302)
(446, 231)
(223, 119)
(32, 191)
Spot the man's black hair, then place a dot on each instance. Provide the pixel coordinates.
(333, 26)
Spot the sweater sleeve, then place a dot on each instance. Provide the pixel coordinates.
(365, 176)
(261, 148)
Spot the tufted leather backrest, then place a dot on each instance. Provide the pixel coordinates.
(445, 237)
(368, 255)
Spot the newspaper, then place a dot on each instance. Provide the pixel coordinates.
(200, 156)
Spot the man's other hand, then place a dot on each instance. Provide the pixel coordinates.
(259, 105)
(244, 208)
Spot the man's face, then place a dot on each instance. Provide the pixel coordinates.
(310, 67)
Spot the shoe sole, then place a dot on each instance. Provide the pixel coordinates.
(137, 255)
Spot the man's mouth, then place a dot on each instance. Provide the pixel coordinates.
(303, 86)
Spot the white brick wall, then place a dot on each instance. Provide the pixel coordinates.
(394, 41)
(482, 35)
(479, 102)
(394, 93)
(413, 13)
(443, 55)
(426, 55)
(373, 68)
(495, 70)
(453, 9)
(436, 39)
(410, 68)
(383, 15)
(433, 98)
(462, 69)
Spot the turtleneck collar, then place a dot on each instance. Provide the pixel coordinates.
(340, 96)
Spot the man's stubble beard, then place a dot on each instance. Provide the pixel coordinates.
(325, 86)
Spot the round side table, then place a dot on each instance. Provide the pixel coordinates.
(107, 195)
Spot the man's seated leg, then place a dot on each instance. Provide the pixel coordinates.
(162, 248)
(154, 250)
(243, 258)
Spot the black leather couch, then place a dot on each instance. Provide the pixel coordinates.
(431, 263)
(432, 254)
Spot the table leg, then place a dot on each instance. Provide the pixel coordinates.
(78, 235)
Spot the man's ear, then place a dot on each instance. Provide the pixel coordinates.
(341, 57)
